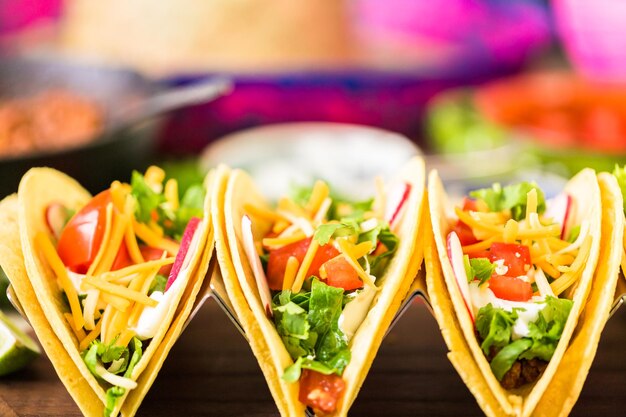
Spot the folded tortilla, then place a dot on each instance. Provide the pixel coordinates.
(37, 291)
(234, 190)
(556, 390)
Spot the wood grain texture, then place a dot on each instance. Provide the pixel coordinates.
(212, 372)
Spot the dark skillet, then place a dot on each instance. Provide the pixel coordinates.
(133, 110)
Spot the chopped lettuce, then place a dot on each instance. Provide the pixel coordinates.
(478, 268)
(325, 232)
(495, 327)
(159, 284)
(308, 323)
(151, 203)
(512, 197)
(380, 234)
(147, 199)
(115, 392)
(620, 174)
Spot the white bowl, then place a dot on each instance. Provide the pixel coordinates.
(283, 156)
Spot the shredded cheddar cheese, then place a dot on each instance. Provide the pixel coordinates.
(152, 239)
(118, 290)
(318, 196)
(346, 248)
(105, 238)
(47, 248)
(91, 336)
(304, 267)
(277, 242)
(291, 270)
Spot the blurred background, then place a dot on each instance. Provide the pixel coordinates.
(486, 89)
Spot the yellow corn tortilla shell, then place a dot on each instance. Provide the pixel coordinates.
(237, 190)
(43, 186)
(585, 192)
(570, 376)
(12, 262)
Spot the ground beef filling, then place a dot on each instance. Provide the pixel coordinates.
(523, 371)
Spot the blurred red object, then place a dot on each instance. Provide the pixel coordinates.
(17, 15)
(560, 109)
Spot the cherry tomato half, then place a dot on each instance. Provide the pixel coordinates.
(81, 238)
(320, 392)
(278, 260)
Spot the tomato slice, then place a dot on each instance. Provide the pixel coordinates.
(278, 258)
(320, 392)
(516, 257)
(510, 288)
(339, 273)
(81, 238)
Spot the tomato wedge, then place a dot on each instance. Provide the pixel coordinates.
(82, 236)
(510, 288)
(337, 272)
(320, 392)
(278, 258)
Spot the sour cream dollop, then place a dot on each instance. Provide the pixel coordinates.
(482, 295)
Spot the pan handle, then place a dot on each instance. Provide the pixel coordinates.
(175, 98)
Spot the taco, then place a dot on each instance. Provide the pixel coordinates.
(114, 277)
(509, 274)
(620, 174)
(317, 281)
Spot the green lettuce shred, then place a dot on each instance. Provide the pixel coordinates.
(512, 197)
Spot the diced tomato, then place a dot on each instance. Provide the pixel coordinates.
(510, 288)
(320, 392)
(81, 238)
(469, 204)
(339, 273)
(465, 234)
(150, 254)
(278, 258)
(516, 257)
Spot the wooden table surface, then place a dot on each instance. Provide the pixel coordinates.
(212, 372)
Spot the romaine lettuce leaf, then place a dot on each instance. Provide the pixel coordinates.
(308, 323)
(512, 197)
(495, 327)
(507, 356)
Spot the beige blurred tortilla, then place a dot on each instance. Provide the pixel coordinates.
(43, 186)
(585, 190)
(237, 190)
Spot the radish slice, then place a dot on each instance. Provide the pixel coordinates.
(255, 264)
(455, 254)
(185, 244)
(558, 209)
(398, 195)
(56, 217)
